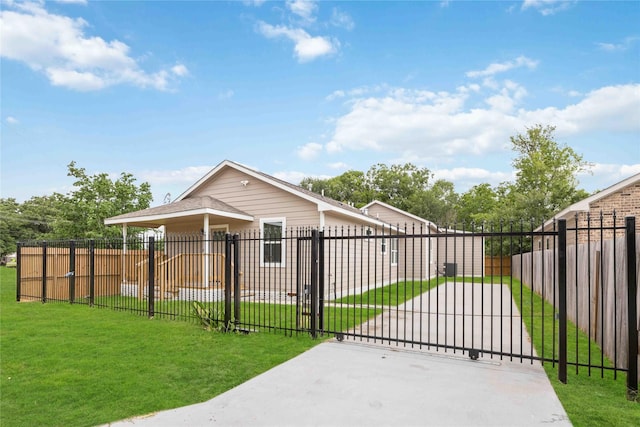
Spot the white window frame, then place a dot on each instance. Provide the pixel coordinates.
(393, 244)
(386, 246)
(283, 250)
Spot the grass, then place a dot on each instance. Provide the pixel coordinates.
(72, 365)
(590, 397)
(393, 294)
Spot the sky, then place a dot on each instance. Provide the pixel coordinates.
(167, 90)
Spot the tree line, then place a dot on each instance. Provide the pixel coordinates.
(545, 183)
(75, 215)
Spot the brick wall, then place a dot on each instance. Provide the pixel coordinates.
(625, 202)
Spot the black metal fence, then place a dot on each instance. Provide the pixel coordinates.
(403, 286)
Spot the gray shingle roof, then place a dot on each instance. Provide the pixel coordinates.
(185, 205)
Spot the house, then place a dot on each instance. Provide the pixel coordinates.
(597, 211)
(444, 251)
(272, 218)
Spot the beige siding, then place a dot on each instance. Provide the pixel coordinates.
(356, 264)
(467, 251)
(260, 199)
(415, 260)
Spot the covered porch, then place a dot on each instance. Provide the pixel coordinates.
(192, 255)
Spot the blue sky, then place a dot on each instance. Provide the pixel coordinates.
(167, 90)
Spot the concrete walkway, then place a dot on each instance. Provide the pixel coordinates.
(354, 383)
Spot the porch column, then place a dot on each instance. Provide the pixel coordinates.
(206, 250)
(124, 253)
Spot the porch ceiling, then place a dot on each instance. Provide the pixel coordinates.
(183, 210)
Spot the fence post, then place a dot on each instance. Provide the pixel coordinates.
(72, 271)
(152, 276)
(321, 280)
(44, 272)
(92, 271)
(18, 270)
(632, 309)
(562, 300)
(227, 280)
(236, 280)
(314, 283)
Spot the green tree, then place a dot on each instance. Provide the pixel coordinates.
(545, 174)
(95, 198)
(402, 186)
(477, 205)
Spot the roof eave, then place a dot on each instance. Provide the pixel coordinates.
(164, 217)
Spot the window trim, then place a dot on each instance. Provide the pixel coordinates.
(387, 247)
(283, 241)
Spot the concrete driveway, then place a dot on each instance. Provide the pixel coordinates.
(356, 383)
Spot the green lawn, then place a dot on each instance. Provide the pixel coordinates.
(393, 294)
(73, 365)
(589, 400)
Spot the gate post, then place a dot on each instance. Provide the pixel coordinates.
(632, 309)
(321, 281)
(44, 272)
(236, 279)
(72, 271)
(314, 283)
(562, 300)
(227, 280)
(152, 276)
(92, 271)
(18, 270)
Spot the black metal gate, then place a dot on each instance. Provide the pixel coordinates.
(483, 316)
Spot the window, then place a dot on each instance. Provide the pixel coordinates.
(272, 248)
(392, 246)
(394, 251)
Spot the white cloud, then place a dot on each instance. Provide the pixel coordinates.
(429, 125)
(501, 67)
(309, 151)
(615, 172)
(303, 8)
(58, 47)
(294, 177)
(473, 175)
(72, 1)
(618, 47)
(548, 7)
(306, 47)
(11, 120)
(256, 3)
(341, 19)
(338, 165)
(179, 70)
(188, 175)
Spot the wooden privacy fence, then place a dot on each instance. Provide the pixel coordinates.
(497, 266)
(596, 289)
(112, 267)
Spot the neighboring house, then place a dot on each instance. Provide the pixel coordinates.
(622, 198)
(235, 198)
(435, 253)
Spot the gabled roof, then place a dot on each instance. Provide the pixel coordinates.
(187, 207)
(325, 204)
(400, 211)
(584, 204)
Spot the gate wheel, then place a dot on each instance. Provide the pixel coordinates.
(474, 354)
(340, 337)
